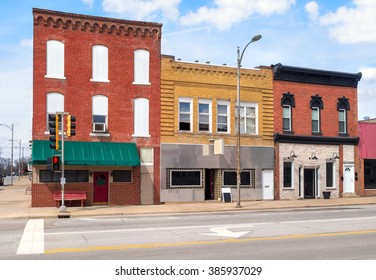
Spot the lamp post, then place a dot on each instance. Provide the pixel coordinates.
(11, 155)
(19, 157)
(239, 61)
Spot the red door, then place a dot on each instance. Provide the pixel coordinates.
(100, 187)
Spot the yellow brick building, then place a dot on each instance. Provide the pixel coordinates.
(199, 132)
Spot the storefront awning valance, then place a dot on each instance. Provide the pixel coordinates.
(88, 153)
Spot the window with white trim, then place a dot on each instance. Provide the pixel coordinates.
(141, 67)
(100, 113)
(55, 103)
(330, 174)
(342, 126)
(248, 119)
(288, 174)
(315, 119)
(204, 115)
(186, 178)
(286, 118)
(185, 114)
(55, 59)
(100, 63)
(141, 117)
(223, 119)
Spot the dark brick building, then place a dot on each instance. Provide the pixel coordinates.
(316, 132)
(106, 72)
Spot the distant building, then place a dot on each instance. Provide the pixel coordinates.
(315, 132)
(106, 72)
(367, 156)
(199, 135)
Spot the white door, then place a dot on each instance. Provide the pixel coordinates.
(267, 185)
(348, 178)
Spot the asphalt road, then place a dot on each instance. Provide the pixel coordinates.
(301, 234)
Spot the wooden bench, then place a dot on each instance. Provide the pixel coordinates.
(69, 196)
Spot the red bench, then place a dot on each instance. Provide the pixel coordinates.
(69, 196)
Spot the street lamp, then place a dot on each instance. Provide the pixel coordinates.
(239, 61)
(19, 157)
(11, 155)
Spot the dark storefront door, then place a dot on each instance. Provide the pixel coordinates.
(209, 184)
(100, 186)
(309, 183)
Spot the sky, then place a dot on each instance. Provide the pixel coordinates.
(337, 35)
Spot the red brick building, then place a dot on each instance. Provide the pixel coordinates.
(316, 133)
(106, 72)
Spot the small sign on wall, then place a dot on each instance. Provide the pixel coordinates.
(226, 195)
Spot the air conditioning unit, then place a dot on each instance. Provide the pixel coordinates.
(99, 127)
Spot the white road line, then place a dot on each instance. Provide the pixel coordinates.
(32, 241)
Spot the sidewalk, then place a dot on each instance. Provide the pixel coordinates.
(15, 202)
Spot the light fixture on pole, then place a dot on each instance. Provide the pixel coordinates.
(239, 61)
(11, 155)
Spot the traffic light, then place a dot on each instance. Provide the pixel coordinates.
(71, 125)
(53, 125)
(55, 163)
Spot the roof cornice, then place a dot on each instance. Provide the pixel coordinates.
(86, 23)
(315, 76)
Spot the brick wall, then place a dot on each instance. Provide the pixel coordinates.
(215, 83)
(80, 33)
(301, 113)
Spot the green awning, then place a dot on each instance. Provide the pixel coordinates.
(88, 153)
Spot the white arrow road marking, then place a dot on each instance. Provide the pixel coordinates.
(223, 231)
(32, 241)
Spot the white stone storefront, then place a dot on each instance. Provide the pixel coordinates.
(308, 170)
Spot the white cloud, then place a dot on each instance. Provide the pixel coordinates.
(225, 13)
(89, 3)
(312, 8)
(368, 73)
(352, 25)
(143, 9)
(27, 43)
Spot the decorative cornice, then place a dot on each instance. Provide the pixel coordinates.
(324, 140)
(85, 23)
(315, 76)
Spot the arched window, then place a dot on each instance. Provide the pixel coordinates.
(55, 103)
(100, 113)
(343, 106)
(287, 102)
(100, 63)
(141, 67)
(316, 105)
(55, 59)
(141, 117)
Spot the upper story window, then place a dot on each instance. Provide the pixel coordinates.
(315, 120)
(248, 118)
(287, 103)
(141, 117)
(185, 114)
(204, 115)
(100, 113)
(55, 103)
(316, 105)
(343, 106)
(286, 118)
(223, 119)
(55, 59)
(141, 67)
(100, 63)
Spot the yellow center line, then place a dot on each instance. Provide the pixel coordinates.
(203, 242)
